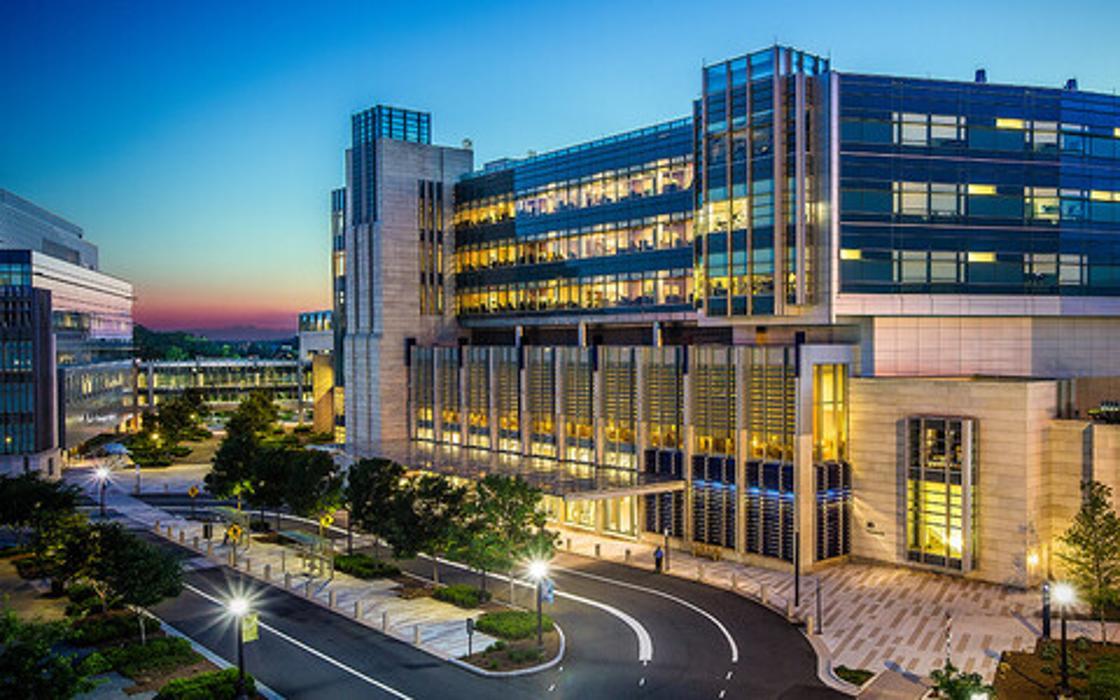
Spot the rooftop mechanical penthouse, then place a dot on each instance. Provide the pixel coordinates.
(826, 316)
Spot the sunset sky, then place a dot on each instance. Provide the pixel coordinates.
(197, 142)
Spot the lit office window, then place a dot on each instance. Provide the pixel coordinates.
(940, 478)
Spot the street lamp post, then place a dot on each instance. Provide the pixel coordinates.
(238, 607)
(102, 474)
(538, 570)
(1064, 596)
(1046, 610)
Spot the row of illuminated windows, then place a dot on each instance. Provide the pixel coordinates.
(720, 213)
(951, 267)
(488, 210)
(181, 378)
(15, 355)
(663, 176)
(661, 233)
(634, 290)
(951, 199)
(1004, 134)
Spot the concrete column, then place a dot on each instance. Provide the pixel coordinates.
(742, 446)
(437, 403)
(686, 442)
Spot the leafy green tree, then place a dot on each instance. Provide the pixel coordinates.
(61, 549)
(371, 485)
(29, 666)
(27, 500)
(128, 570)
(950, 682)
(256, 414)
(232, 475)
(1092, 550)
(504, 525)
(427, 516)
(269, 476)
(312, 484)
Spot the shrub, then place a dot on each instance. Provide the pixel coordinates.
(180, 451)
(1082, 643)
(1048, 651)
(28, 568)
(212, 685)
(512, 624)
(364, 566)
(94, 665)
(1104, 679)
(855, 676)
(521, 656)
(462, 595)
(496, 647)
(103, 629)
(160, 653)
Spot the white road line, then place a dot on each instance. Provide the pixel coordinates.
(314, 652)
(645, 642)
(668, 596)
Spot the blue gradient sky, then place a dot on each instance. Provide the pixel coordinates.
(197, 142)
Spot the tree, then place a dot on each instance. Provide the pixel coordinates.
(504, 525)
(1092, 552)
(256, 414)
(427, 516)
(128, 570)
(27, 500)
(29, 666)
(234, 463)
(312, 485)
(951, 683)
(61, 549)
(371, 485)
(269, 476)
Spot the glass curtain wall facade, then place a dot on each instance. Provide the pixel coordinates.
(604, 227)
(941, 472)
(338, 300)
(760, 145)
(223, 382)
(970, 188)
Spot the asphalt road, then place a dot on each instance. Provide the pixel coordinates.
(695, 632)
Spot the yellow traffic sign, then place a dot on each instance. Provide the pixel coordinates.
(193, 492)
(250, 631)
(326, 520)
(234, 532)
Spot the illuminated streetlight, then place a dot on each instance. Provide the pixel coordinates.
(538, 571)
(1064, 596)
(102, 474)
(239, 608)
(979, 695)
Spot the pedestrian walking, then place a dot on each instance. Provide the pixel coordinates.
(658, 556)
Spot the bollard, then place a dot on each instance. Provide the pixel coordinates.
(416, 635)
(268, 572)
(330, 599)
(357, 609)
(209, 548)
(168, 532)
(700, 571)
(248, 565)
(597, 550)
(809, 625)
(194, 542)
(569, 544)
(762, 593)
(156, 526)
(626, 555)
(182, 536)
(232, 559)
(307, 588)
(287, 580)
(789, 609)
(734, 581)
(385, 621)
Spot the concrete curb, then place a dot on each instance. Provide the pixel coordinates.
(521, 671)
(824, 668)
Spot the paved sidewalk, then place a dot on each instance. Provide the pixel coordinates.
(432, 625)
(875, 616)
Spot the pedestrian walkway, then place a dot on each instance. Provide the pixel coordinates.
(875, 617)
(434, 626)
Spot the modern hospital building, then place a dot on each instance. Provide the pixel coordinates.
(825, 316)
